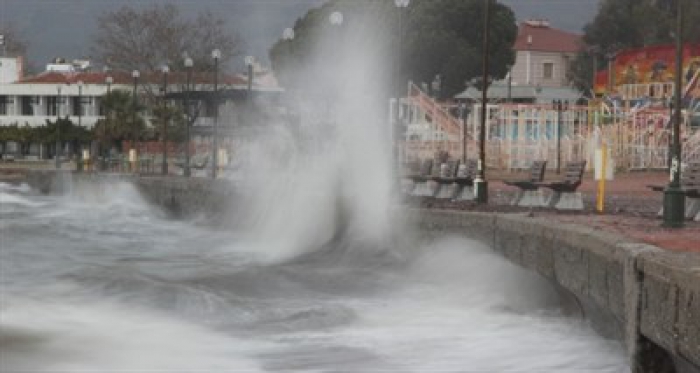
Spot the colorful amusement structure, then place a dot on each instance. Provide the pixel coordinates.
(630, 112)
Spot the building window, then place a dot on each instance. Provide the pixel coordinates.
(548, 70)
(76, 105)
(3, 105)
(27, 109)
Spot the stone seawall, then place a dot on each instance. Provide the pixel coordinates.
(645, 296)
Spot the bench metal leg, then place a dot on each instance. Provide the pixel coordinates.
(570, 201)
(447, 191)
(553, 199)
(407, 186)
(465, 193)
(518, 197)
(420, 190)
(692, 207)
(531, 198)
(426, 189)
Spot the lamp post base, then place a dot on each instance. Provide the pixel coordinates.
(481, 191)
(674, 207)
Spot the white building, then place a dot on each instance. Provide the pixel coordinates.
(543, 55)
(10, 69)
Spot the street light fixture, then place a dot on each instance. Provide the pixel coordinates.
(164, 165)
(188, 66)
(674, 198)
(336, 18)
(135, 75)
(435, 86)
(216, 55)
(288, 34)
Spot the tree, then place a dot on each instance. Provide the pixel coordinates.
(14, 44)
(623, 24)
(119, 123)
(144, 39)
(440, 37)
(446, 38)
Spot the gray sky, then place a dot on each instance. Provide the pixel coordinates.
(64, 28)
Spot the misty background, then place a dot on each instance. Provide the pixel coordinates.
(64, 28)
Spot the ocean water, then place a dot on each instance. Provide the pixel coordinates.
(102, 282)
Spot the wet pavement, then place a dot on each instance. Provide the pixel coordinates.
(630, 209)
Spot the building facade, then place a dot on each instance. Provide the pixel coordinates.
(543, 55)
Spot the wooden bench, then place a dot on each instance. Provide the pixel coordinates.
(460, 186)
(690, 184)
(564, 195)
(422, 186)
(529, 193)
(409, 182)
(448, 172)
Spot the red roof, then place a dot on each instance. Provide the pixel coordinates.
(539, 36)
(123, 77)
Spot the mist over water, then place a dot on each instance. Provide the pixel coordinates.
(107, 283)
(310, 274)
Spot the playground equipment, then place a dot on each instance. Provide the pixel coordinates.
(638, 131)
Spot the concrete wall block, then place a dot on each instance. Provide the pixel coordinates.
(615, 279)
(689, 325)
(598, 271)
(571, 268)
(509, 244)
(658, 311)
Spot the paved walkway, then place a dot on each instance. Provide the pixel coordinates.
(630, 209)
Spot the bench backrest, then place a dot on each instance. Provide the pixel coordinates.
(426, 167)
(537, 171)
(690, 177)
(451, 169)
(574, 172)
(470, 169)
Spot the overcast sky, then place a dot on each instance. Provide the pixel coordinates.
(64, 28)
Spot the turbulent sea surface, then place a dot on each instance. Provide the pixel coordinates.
(106, 283)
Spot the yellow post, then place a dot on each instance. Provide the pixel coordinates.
(133, 159)
(603, 174)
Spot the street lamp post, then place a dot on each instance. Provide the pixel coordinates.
(164, 165)
(2, 45)
(674, 198)
(80, 124)
(401, 5)
(216, 55)
(135, 75)
(108, 81)
(480, 183)
(80, 103)
(559, 105)
(58, 128)
(464, 111)
(188, 66)
(249, 61)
